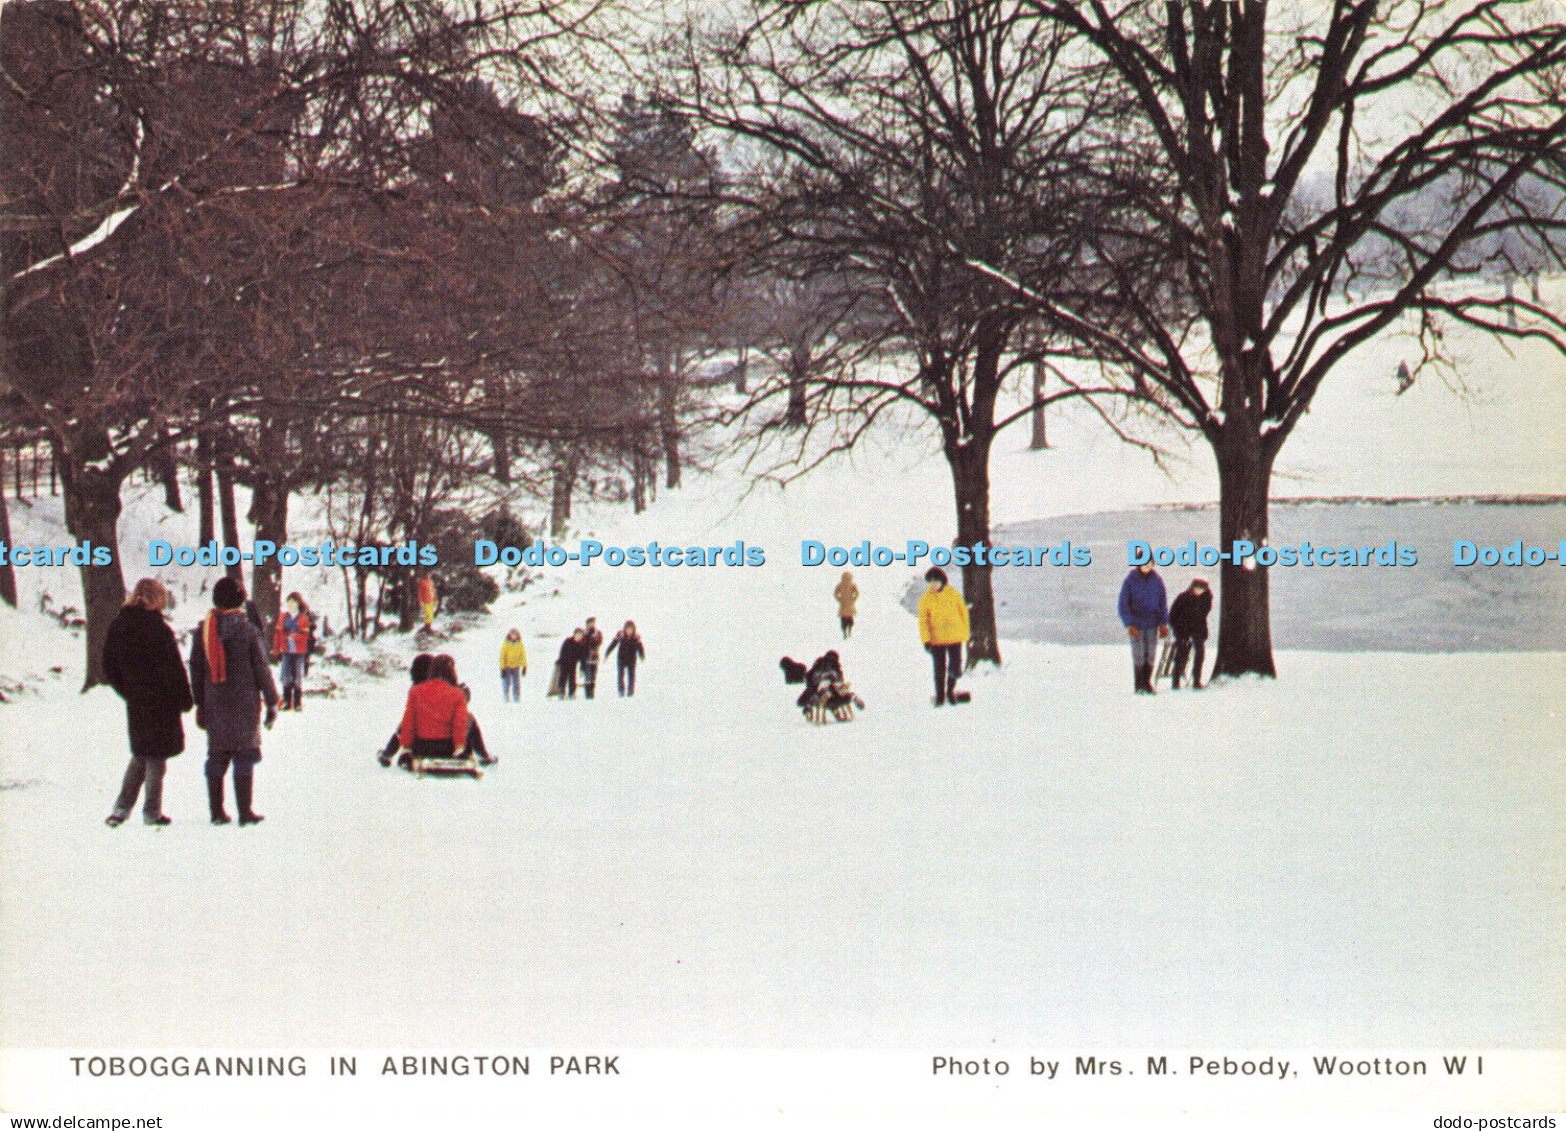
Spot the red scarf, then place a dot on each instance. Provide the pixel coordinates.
(212, 645)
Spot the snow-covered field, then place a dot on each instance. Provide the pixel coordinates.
(1368, 851)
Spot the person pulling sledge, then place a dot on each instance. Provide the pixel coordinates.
(573, 650)
(943, 626)
(1188, 620)
(291, 643)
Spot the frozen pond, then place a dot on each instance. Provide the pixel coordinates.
(1429, 607)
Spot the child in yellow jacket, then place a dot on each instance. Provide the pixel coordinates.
(513, 666)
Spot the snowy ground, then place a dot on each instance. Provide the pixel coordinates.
(1057, 862)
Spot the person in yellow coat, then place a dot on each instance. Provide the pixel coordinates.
(513, 666)
(943, 626)
(847, 594)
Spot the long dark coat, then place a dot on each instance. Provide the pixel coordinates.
(141, 661)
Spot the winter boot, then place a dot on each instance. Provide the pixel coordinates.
(242, 796)
(117, 818)
(159, 820)
(215, 801)
(1147, 680)
(298, 697)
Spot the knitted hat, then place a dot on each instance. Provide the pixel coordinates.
(228, 593)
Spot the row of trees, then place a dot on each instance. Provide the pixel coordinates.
(401, 247)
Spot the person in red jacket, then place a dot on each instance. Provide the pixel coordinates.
(435, 721)
(291, 646)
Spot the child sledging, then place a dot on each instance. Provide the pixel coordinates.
(437, 734)
(827, 695)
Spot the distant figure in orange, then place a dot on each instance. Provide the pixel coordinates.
(427, 599)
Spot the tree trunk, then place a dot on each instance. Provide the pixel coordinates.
(1244, 611)
(500, 444)
(269, 516)
(669, 418)
(638, 478)
(560, 497)
(798, 369)
(92, 513)
(226, 511)
(7, 572)
(204, 489)
(970, 466)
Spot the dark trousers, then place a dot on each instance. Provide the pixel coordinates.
(140, 770)
(625, 679)
(948, 666)
(244, 763)
(475, 742)
(568, 680)
(589, 677)
(1188, 646)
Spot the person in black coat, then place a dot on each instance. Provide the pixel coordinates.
(1188, 621)
(141, 662)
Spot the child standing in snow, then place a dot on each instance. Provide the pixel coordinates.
(943, 626)
(513, 666)
(291, 645)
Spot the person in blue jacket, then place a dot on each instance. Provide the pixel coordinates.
(1144, 610)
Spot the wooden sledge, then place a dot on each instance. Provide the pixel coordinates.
(819, 713)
